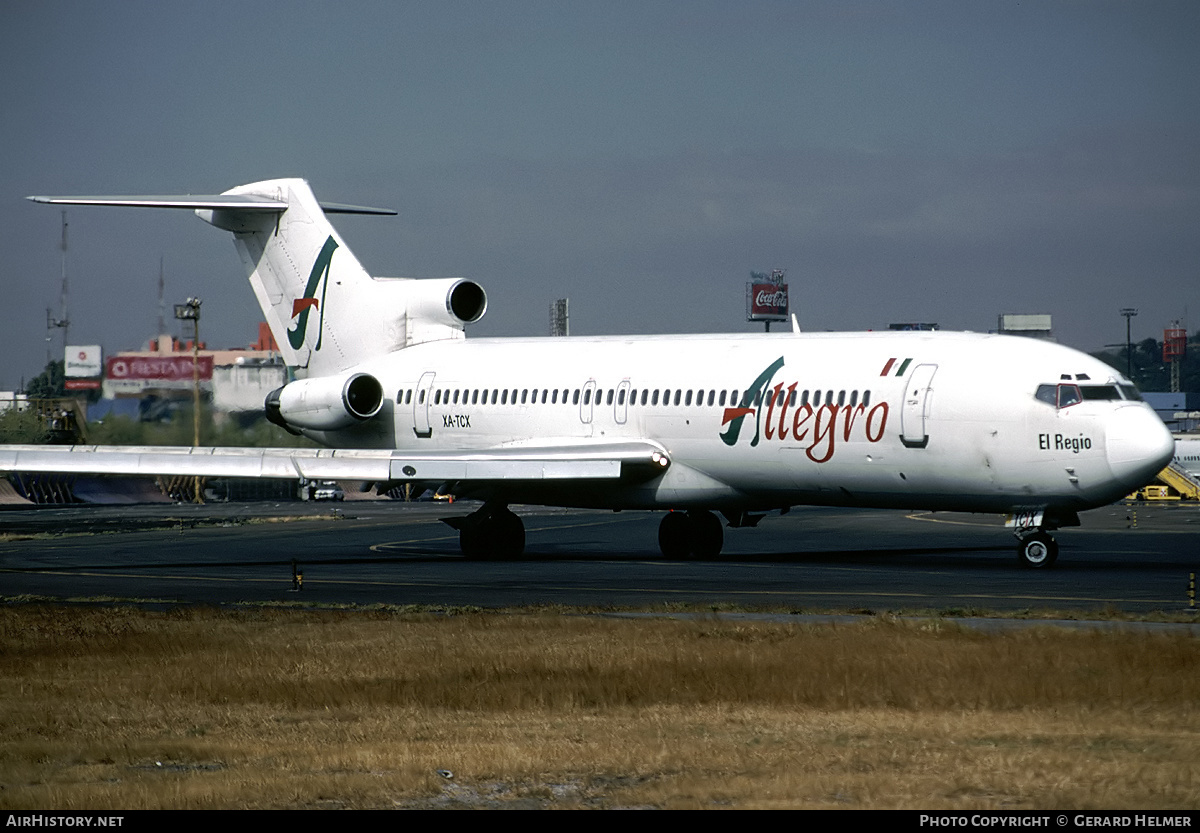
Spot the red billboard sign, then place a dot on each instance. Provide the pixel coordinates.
(156, 368)
(766, 301)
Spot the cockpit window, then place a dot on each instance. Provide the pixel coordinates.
(1102, 392)
(1064, 394)
(1068, 395)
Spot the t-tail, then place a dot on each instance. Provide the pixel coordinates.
(326, 313)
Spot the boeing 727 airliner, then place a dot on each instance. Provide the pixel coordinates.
(735, 425)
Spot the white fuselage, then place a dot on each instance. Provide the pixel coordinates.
(1187, 454)
(752, 422)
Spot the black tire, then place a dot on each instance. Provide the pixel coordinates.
(509, 534)
(471, 540)
(707, 535)
(674, 536)
(1037, 551)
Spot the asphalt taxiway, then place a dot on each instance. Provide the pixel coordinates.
(1126, 558)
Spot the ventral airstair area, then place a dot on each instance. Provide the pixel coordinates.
(1182, 484)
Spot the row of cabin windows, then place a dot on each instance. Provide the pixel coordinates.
(650, 397)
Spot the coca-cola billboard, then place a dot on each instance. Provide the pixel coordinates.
(766, 301)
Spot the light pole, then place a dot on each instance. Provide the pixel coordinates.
(1129, 313)
(190, 311)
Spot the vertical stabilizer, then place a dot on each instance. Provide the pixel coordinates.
(307, 281)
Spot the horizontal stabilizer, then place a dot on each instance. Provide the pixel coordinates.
(212, 202)
(195, 202)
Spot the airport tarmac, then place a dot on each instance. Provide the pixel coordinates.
(1134, 559)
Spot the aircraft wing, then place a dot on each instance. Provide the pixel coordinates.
(565, 462)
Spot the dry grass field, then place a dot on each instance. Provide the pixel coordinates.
(119, 708)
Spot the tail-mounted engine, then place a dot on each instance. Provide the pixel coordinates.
(439, 308)
(326, 403)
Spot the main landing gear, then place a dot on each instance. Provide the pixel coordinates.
(1036, 549)
(690, 535)
(491, 532)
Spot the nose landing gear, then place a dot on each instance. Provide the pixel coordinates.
(1036, 549)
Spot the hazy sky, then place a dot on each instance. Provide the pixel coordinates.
(904, 161)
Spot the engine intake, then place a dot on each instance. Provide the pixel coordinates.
(326, 403)
(450, 302)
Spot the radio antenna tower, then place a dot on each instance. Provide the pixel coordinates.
(62, 323)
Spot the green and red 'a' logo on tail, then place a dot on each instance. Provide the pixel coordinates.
(303, 305)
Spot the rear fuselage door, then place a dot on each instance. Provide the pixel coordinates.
(421, 403)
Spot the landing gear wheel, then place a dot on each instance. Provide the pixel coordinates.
(1037, 551)
(674, 538)
(509, 535)
(471, 541)
(495, 535)
(707, 535)
(690, 535)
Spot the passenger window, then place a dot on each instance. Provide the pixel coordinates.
(608, 397)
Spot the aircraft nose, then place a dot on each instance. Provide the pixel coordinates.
(1138, 445)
